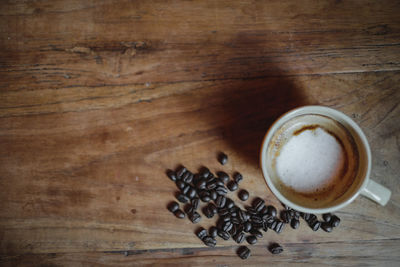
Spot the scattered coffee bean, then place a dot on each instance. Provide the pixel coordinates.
(173, 206)
(209, 241)
(180, 184)
(243, 252)
(222, 158)
(251, 239)
(185, 176)
(201, 184)
(243, 195)
(226, 226)
(229, 203)
(220, 202)
(279, 227)
(194, 217)
(224, 235)
(213, 231)
(243, 216)
(211, 185)
(296, 215)
(186, 189)
(223, 176)
(335, 221)
(238, 177)
(189, 209)
(295, 223)
(213, 194)
(271, 210)
(275, 249)
(315, 225)
(327, 217)
(223, 211)
(201, 233)
(313, 218)
(213, 208)
(207, 212)
(265, 226)
(247, 227)
(191, 193)
(195, 202)
(221, 190)
(239, 237)
(172, 175)
(182, 198)
(326, 226)
(181, 170)
(305, 216)
(285, 216)
(179, 214)
(232, 186)
(256, 233)
(205, 172)
(258, 204)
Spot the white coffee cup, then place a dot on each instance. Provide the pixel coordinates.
(360, 184)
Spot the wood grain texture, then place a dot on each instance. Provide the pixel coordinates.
(99, 98)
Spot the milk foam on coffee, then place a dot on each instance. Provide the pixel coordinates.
(310, 160)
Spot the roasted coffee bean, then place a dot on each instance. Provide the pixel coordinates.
(220, 201)
(221, 190)
(210, 178)
(295, 223)
(335, 221)
(243, 216)
(222, 211)
(258, 204)
(189, 177)
(256, 219)
(243, 252)
(267, 218)
(229, 203)
(232, 186)
(327, 217)
(279, 227)
(211, 185)
(326, 226)
(251, 211)
(264, 210)
(234, 229)
(271, 211)
(205, 198)
(224, 235)
(195, 202)
(207, 212)
(173, 206)
(235, 220)
(227, 226)
(285, 216)
(239, 237)
(189, 209)
(243, 195)
(201, 184)
(179, 214)
(222, 158)
(315, 225)
(219, 182)
(247, 227)
(256, 233)
(296, 215)
(194, 217)
(180, 184)
(213, 208)
(205, 172)
(196, 178)
(223, 176)
(191, 193)
(181, 170)
(251, 239)
(213, 231)
(186, 189)
(201, 233)
(209, 241)
(233, 211)
(275, 249)
(172, 175)
(185, 176)
(226, 218)
(256, 226)
(265, 226)
(213, 195)
(237, 177)
(312, 219)
(182, 198)
(305, 216)
(272, 224)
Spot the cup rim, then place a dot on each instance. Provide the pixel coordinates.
(321, 110)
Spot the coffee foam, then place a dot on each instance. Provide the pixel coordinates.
(313, 160)
(310, 160)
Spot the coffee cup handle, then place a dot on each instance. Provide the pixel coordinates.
(376, 192)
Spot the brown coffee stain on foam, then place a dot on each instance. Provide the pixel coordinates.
(307, 127)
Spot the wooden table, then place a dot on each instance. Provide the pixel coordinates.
(99, 98)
